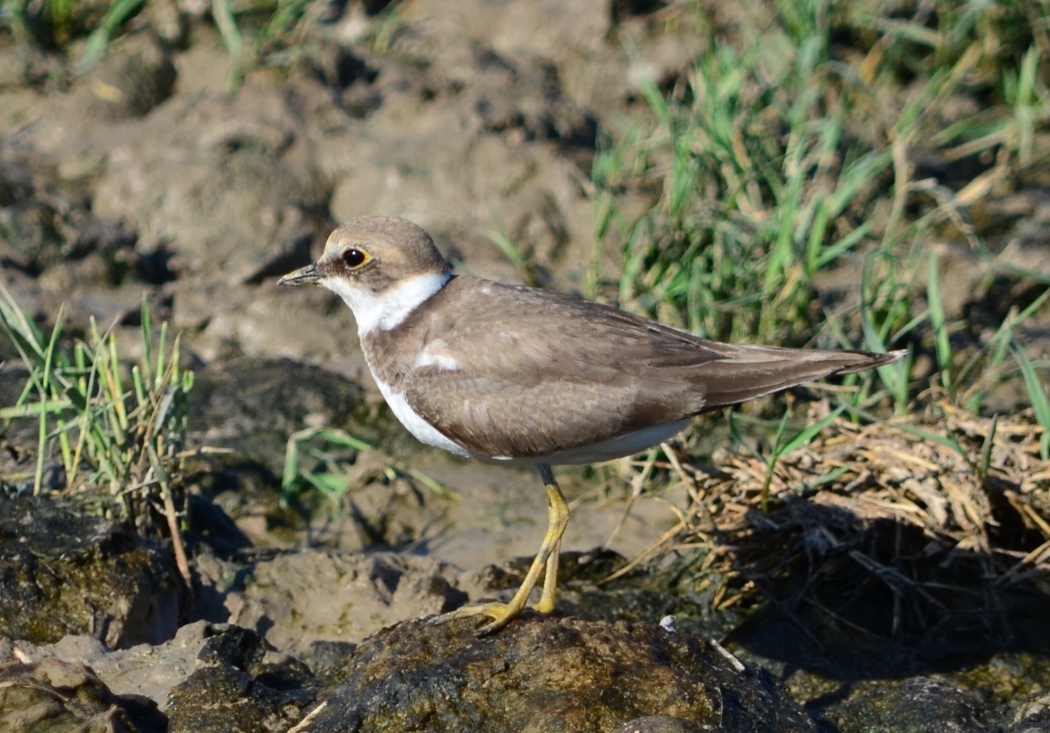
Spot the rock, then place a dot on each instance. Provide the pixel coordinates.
(550, 675)
(144, 670)
(331, 661)
(208, 679)
(64, 696)
(240, 684)
(918, 704)
(1032, 715)
(65, 569)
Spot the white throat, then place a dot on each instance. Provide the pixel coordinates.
(388, 309)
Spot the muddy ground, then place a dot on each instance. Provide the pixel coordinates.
(475, 119)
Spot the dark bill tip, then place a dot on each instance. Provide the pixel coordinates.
(308, 275)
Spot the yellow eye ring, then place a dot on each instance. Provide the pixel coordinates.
(355, 257)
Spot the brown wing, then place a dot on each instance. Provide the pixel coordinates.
(539, 372)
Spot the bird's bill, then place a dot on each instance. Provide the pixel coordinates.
(308, 275)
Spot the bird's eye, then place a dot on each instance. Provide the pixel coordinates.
(354, 257)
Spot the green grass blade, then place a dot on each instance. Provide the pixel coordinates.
(806, 435)
(947, 441)
(1037, 394)
(162, 355)
(118, 12)
(146, 326)
(343, 439)
(438, 488)
(940, 328)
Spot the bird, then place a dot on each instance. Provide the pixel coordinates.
(505, 373)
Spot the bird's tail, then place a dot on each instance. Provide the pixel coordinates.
(746, 372)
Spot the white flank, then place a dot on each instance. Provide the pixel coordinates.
(420, 428)
(625, 445)
(386, 310)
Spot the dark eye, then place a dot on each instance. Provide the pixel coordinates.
(354, 257)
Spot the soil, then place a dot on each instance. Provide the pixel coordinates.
(477, 120)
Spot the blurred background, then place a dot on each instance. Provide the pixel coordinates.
(865, 174)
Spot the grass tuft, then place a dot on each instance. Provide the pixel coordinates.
(783, 160)
(101, 423)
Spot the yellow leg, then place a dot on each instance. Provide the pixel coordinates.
(547, 558)
(557, 521)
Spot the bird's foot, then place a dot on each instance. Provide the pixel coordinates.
(500, 614)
